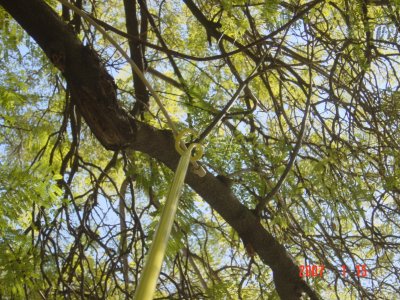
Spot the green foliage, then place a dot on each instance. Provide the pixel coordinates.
(64, 199)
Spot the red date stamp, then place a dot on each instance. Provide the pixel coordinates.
(361, 270)
(311, 270)
(318, 270)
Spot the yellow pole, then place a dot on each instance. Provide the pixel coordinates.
(148, 280)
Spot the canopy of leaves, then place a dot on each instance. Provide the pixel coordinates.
(311, 145)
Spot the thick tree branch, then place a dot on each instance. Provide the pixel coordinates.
(94, 93)
(136, 51)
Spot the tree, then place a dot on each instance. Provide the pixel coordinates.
(296, 101)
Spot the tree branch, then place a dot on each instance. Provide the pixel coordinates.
(132, 28)
(94, 93)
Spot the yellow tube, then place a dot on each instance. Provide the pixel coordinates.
(148, 279)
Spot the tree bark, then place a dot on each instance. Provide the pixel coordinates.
(132, 28)
(94, 93)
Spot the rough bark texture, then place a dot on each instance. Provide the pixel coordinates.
(132, 28)
(94, 92)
